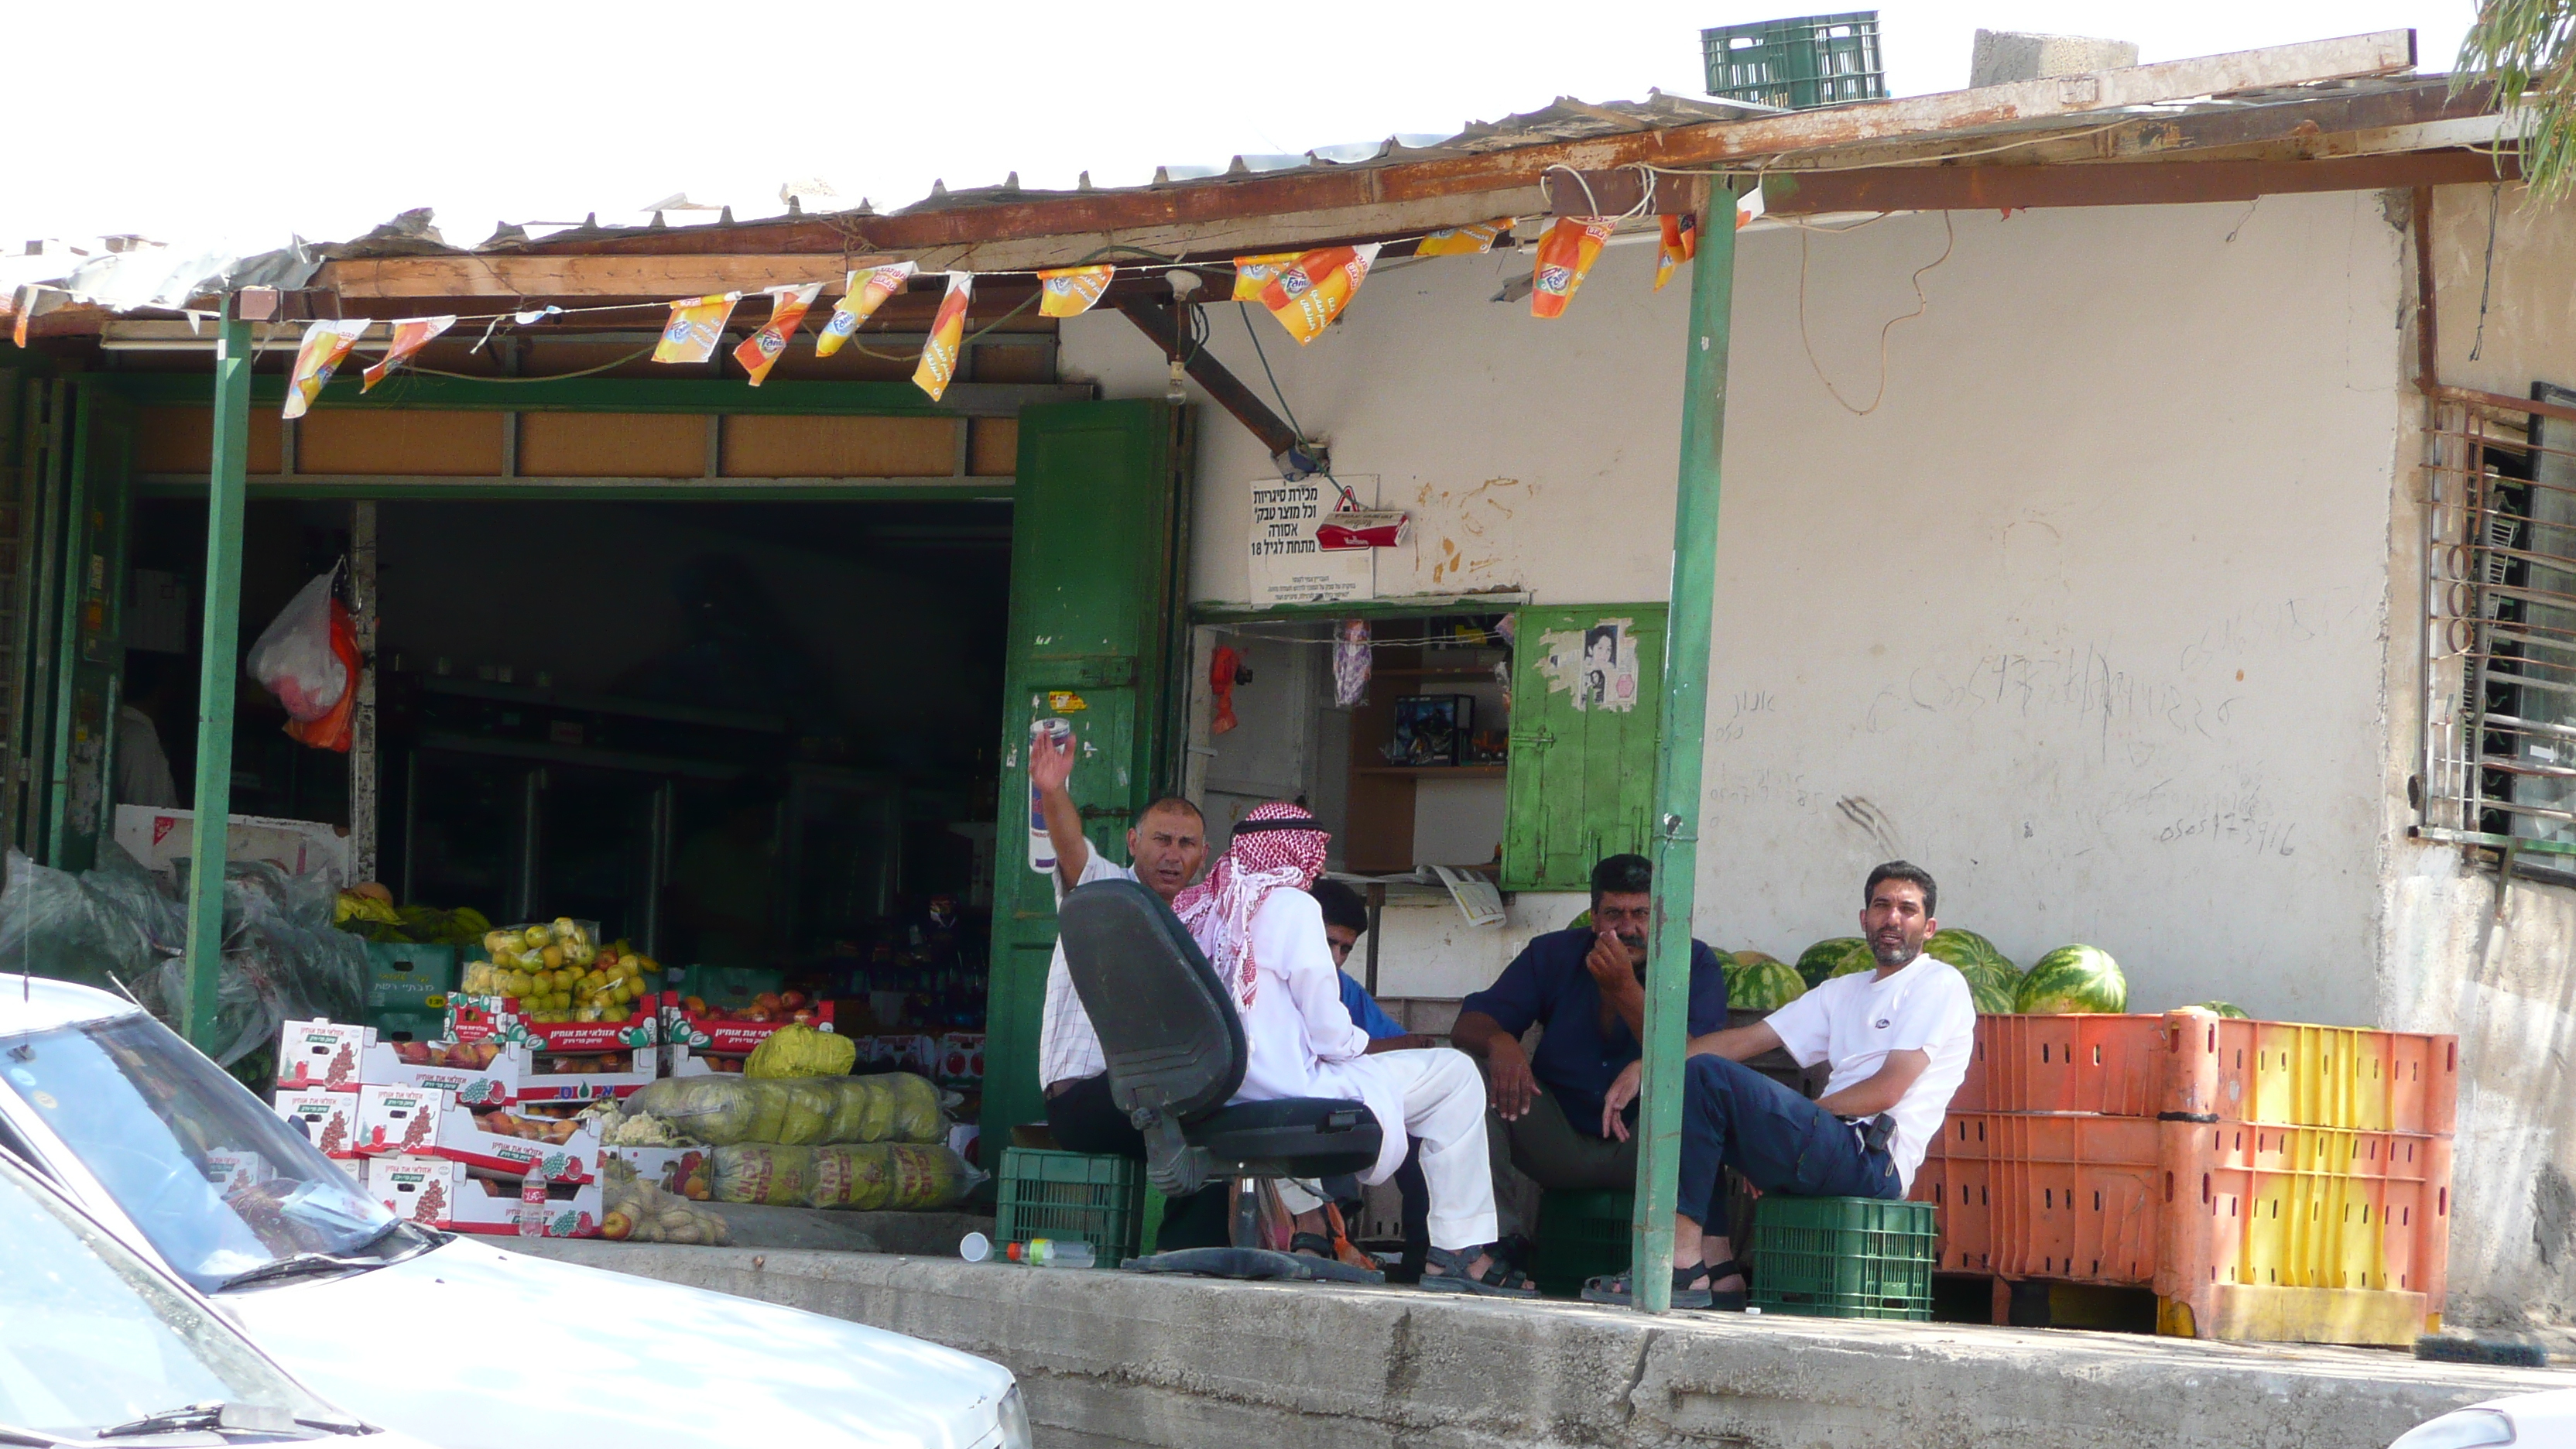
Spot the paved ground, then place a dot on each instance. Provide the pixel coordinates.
(1118, 1359)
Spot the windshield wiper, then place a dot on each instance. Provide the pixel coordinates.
(249, 1418)
(296, 1266)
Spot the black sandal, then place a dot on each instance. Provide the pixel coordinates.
(1619, 1289)
(1445, 1271)
(1726, 1302)
(1313, 1245)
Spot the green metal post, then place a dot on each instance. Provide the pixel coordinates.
(222, 665)
(1677, 753)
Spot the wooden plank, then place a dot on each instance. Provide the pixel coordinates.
(522, 275)
(2114, 183)
(614, 445)
(345, 440)
(763, 446)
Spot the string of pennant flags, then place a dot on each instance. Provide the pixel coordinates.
(1305, 290)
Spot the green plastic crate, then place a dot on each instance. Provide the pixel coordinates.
(1812, 60)
(1072, 1196)
(1581, 1235)
(408, 978)
(1843, 1257)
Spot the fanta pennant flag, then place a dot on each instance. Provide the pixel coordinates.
(1311, 291)
(947, 335)
(1564, 255)
(869, 286)
(411, 334)
(1251, 274)
(1464, 241)
(696, 325)
(1071, 291)
(326, 346)
(1680, 244)
(760, 351)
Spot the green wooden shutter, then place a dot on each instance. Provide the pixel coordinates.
(90, 649)
(1582, 777)
(1094, 598)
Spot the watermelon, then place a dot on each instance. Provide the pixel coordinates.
(1857, 957)
(1820, 960)
(2073, 979)
(2221, 1008)
(1763, 984)
(1959, 947)
(1993, 996)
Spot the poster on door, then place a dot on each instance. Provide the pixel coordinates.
(1288, 564)
(1597, 664)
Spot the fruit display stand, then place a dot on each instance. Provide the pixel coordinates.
(429, 1122)
(699, 1040)
(437, 1192)
(2265, 1180)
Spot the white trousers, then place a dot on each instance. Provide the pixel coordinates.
(1444, 1107)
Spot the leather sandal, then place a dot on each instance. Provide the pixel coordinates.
(1312, 1245)
(1733, 1302)
(1618, 1288)
(1444, 1270)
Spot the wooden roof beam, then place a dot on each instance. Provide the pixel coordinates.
(2116, 183)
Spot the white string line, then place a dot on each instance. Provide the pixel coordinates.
(1922, 305)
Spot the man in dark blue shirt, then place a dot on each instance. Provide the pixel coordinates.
(1587, 987)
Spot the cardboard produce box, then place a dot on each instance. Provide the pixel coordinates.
(330, 1119)
(481, 1074)
(427, 1122)
(681, 1171)
(436, 1192)
(321, 1055)
(161, 837)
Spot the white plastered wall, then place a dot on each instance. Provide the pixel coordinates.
(2086, 617)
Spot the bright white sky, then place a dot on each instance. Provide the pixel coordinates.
(249, 118)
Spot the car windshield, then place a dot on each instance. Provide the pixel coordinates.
(218, 1182)
(91, 1337)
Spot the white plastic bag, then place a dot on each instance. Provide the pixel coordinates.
(293, 658)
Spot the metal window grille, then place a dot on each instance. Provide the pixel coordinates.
(2499, 607)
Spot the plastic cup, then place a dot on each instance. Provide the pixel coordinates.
(975, 1247)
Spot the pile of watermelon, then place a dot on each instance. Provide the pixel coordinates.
(1756, 982)
(2068, 979)
(1993, 980)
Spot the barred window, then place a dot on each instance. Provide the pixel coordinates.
(2499, 603)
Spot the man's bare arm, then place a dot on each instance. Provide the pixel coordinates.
(1051, 771)
(1509, 1083)
(1883, 1090)
(1735, 1043)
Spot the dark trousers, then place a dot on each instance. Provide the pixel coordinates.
(1083, 1119)
(1733, 1116)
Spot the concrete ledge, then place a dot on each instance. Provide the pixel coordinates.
(1117, 1359)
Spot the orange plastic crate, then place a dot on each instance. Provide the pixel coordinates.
(2219, 1069)
(2188, 1207)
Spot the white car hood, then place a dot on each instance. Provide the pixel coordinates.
(470, 1347)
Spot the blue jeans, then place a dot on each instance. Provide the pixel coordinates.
(1733, 1116)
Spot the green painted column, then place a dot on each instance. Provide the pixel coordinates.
(214, 796)
(1677, 753)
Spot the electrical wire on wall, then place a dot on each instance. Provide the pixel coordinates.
(1922, 304)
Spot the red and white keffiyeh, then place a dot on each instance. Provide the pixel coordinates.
(1260, 859)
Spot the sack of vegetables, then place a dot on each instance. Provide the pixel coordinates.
(721, 1109)
(874, 1177)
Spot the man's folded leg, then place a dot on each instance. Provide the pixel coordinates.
(1444, 1111)
(1084, 1119)
(1780, 1141)
(1548, 1150)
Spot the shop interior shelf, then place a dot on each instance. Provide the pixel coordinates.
(1433, 772)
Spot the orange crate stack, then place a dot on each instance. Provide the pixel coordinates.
(2243, 1225)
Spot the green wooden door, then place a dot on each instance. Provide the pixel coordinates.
(87, 618)
(1095, 611)
(1587, 696)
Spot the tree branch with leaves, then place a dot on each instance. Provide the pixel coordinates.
(2527, 50)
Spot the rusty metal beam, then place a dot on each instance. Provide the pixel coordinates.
(2115, 183)
(1228, 391)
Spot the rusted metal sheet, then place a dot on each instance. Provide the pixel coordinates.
(2116, 183)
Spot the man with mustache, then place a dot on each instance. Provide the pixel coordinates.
(1898, 1038)
(1587, 985)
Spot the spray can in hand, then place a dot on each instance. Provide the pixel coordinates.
(1043, 733)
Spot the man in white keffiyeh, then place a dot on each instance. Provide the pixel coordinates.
(1264, 934)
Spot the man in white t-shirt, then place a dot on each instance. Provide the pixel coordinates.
(1168, 843)
(1898, 1038)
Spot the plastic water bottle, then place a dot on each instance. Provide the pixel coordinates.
(1052, 1253)
(1041, 844)
(532, 1206)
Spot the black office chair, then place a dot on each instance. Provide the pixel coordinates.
(1176, 1052)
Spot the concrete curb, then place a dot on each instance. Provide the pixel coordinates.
(1118, 1359)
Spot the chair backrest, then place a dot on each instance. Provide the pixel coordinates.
(1166, 1024)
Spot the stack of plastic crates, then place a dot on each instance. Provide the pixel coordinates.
(2267, 1180)
(1813, 60)
(1072, 1196)
(1843, 1257)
